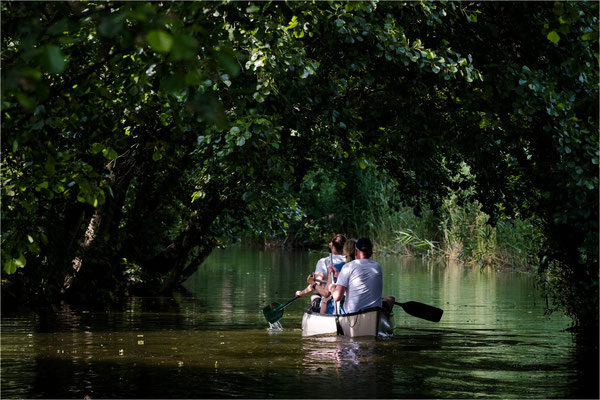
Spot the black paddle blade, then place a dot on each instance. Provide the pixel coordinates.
(421, 310)
(273, 312)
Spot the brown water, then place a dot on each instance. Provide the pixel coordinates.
(492, 342)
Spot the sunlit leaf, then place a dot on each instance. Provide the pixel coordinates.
(553, 37)
(109, 153)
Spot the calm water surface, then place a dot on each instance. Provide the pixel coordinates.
(492, 342)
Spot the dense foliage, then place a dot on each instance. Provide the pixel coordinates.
(136, 137)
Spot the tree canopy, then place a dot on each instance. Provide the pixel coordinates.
(137, 137)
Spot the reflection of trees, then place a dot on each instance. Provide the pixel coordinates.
(234, 282)
(469, 295)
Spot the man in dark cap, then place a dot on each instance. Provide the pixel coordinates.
(360, 280)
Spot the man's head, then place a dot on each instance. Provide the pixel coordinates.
(363, 248)
(337, 243)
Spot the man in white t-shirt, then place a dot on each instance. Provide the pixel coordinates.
(336, 247)
(360, 280)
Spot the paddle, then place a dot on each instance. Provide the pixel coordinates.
(421, 310)
(336, 304)
(274, 311)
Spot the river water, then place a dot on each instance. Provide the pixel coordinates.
(212, 341)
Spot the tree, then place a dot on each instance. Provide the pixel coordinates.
(138, 136)
(530, 131)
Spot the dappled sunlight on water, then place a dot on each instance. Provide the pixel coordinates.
(492, 342)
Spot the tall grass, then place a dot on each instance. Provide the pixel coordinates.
(467, 235)
(461, 233)
(457, 232)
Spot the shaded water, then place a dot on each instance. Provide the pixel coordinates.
(492, 342)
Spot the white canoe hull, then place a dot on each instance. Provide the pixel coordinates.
(371, 322)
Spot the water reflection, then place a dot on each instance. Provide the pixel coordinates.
(368, 368)
(330, 352)
(493, 341)
(342, 365)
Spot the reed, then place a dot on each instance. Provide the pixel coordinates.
(459, 231)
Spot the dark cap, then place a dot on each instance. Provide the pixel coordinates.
(364, 245)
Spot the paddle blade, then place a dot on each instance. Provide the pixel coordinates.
(273, 312)
(423, 311)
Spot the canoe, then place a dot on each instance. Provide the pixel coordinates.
(369, 322)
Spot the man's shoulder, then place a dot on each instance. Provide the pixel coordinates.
(353, 264)
(364, 261)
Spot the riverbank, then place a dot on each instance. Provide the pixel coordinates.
(459, 233)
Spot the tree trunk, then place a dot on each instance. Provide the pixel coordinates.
(193, 245)
(102, 228)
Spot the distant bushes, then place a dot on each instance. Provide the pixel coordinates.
(360, 203)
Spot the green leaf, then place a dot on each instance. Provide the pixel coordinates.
(38, 125)
(258, 97)
(293, 23)
(58, 27)
(31, 73)
(49, 166)
(558, 8)
(160, 41)
(193, 78)
(248, 195)
(252, 9)
(184, 47)
(53, 59)
(588, 36)
(173, 84)
(111, 25)
(553, 37)
(96, 148)
(228, 62)
(109, 153)
(133, 91)
(10, 267)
